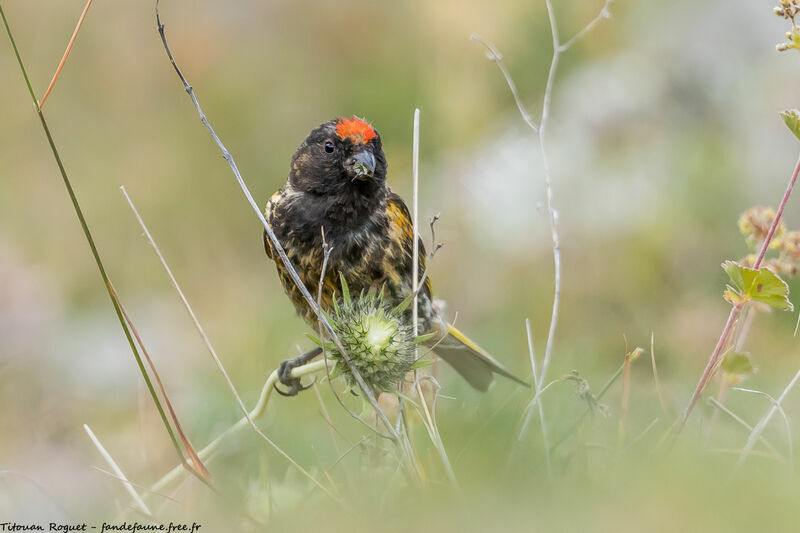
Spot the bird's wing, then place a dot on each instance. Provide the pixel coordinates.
(402, 229)
(470, 360)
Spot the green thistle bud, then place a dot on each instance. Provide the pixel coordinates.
(378, 340)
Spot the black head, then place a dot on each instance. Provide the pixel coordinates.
(340, 156)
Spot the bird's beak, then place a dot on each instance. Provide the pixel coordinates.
(361, 165)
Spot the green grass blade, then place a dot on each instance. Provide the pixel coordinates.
(19, 59)
(92, 245)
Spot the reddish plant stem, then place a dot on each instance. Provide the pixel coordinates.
(777, 220)
(726, 332)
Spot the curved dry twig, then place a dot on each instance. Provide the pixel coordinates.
(719, 405)
(270, 233)
(541, 131)
(776, 406)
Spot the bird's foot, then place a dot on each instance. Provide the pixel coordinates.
(293, 384)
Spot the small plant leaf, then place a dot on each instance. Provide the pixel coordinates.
(792, 119)
(770, 289)
(762, 285)
(326, 316)
(314, 339)
(345, 289)
(406, 398)
(402, 306)
(422, 363)
(424, 338)
(737, 363)
(733, 269)
(732, 296)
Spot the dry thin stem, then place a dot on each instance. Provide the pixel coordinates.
(605, 13)
(529, 408)
(719, 405)
(429, 418)
(66, 54)
(657, 381)
(494, 55)
(756, 453)
(759, 428)
(485, 423)
(797, 325)
(786, 423)
(323, 411)
(118, 471)
(541, 129)
(254, 414)
(188, 307)
(625, 402)
(529, 414)
(558, 49)
(270, 233)
(543, 123)
(414, 222)
(199, 468)
(137, 485)
(736, 309)
(588, 409)
(360, 441)
(202, 332)
(642, 434)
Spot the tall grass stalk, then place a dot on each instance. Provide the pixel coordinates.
(95, 254)
(206, 340)
(117, 471)
(429, 418)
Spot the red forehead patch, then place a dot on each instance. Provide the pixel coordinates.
(357, 130)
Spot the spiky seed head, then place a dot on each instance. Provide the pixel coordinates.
(377, 339)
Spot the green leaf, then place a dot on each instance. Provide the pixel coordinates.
(314, 339)
(407, 398)
(345, 289)
(422, 363)
(792, 119)
(733, 269)
(327, 317)
(424, 338)
(762, 285)
(770, 289)
(402, 306)
(737, 363)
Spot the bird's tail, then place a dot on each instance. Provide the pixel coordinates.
(468, 359)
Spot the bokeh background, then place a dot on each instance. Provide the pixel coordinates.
(664, 129)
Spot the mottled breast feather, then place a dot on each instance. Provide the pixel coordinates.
(373, 252)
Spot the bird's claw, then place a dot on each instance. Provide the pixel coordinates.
(292, 384)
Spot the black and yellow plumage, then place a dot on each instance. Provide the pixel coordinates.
(337, 184)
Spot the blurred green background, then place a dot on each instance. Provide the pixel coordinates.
(664, 128)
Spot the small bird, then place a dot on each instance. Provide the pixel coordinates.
(337, 188)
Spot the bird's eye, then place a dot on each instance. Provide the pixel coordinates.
(329, 147)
